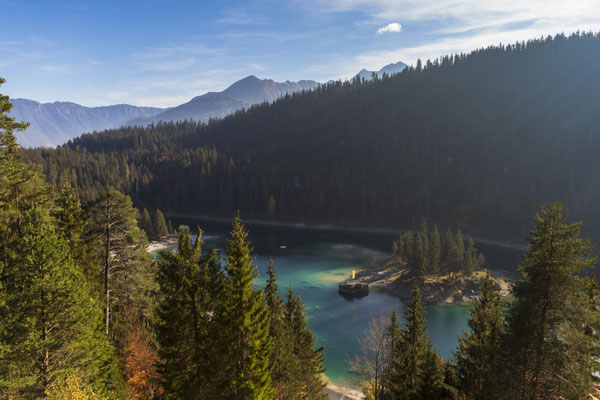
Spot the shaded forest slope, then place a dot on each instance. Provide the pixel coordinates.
(478, 140)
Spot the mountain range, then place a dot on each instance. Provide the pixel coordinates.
(52, 124)
(242, 94)
(389, 69)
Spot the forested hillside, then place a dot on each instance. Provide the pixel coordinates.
(478, 140)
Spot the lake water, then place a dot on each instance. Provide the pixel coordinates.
(313, 261)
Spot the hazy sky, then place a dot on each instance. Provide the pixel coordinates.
(162, 53)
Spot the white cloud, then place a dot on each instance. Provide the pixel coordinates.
(389, 28)
(455, 26)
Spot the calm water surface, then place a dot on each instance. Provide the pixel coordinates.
(314, 261)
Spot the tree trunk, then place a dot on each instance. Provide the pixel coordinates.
(106, 272)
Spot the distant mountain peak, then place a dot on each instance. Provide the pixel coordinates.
(55, 123)
(241, 94)
(390, 69)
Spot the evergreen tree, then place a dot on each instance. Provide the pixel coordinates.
(279, 356)
(435, 255)
(549, 352)
(190, 314)
(71, 225)
(128, 275)
(394, 336)
(146, 223)
(432, 375)
(160, 225)
(411, 352)
(458, 259)
(476, 360)
(247, 320)
(448, 252)
(470, 261)
(49, 322)
(305, 368)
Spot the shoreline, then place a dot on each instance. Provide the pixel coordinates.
(330, 227)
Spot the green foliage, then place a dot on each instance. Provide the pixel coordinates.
(146, 223)
(480, 347)
(50, 322)
(415, 370)
(247, 323)
(189, 331)
(426, 255)
(128, 275)
(278, 333)
(8, 126)
(366, 153)
(304, 375)
(548, 342)
(160, 225)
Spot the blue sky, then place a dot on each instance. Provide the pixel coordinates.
(158, 53)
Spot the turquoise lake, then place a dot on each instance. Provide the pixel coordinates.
(313, 261)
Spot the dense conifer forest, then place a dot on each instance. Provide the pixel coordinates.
(477, 140)
(86, 313)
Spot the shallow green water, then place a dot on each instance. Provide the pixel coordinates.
(314, 261)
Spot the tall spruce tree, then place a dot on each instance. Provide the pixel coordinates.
(247, 320)
(549, 351)
(49, 323)
(280, 355)
(431, 376)
(408, 365)
(479, 348)
(160, 228)
(435, 256)
(305, 367)
(189, 330)
(71, 225)
(146, 223)
(393, 338)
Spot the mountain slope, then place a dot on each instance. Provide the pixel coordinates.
(241, 94)
(52, 124)
(478, 140)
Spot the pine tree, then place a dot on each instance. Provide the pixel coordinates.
(459, 252)
(470, 261)
(280, 355)
(476, 360)
(160, 225)
(435, 252)
(247, 318)
(128, 275)
(190, 330)
(53, 321)
(448, 252)
(549, 352)
(411, 351)
(432, 375)
(146, 223)
(305, 368)
(71, 225)
(393, 338)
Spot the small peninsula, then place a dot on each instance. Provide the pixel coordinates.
(449, 269)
